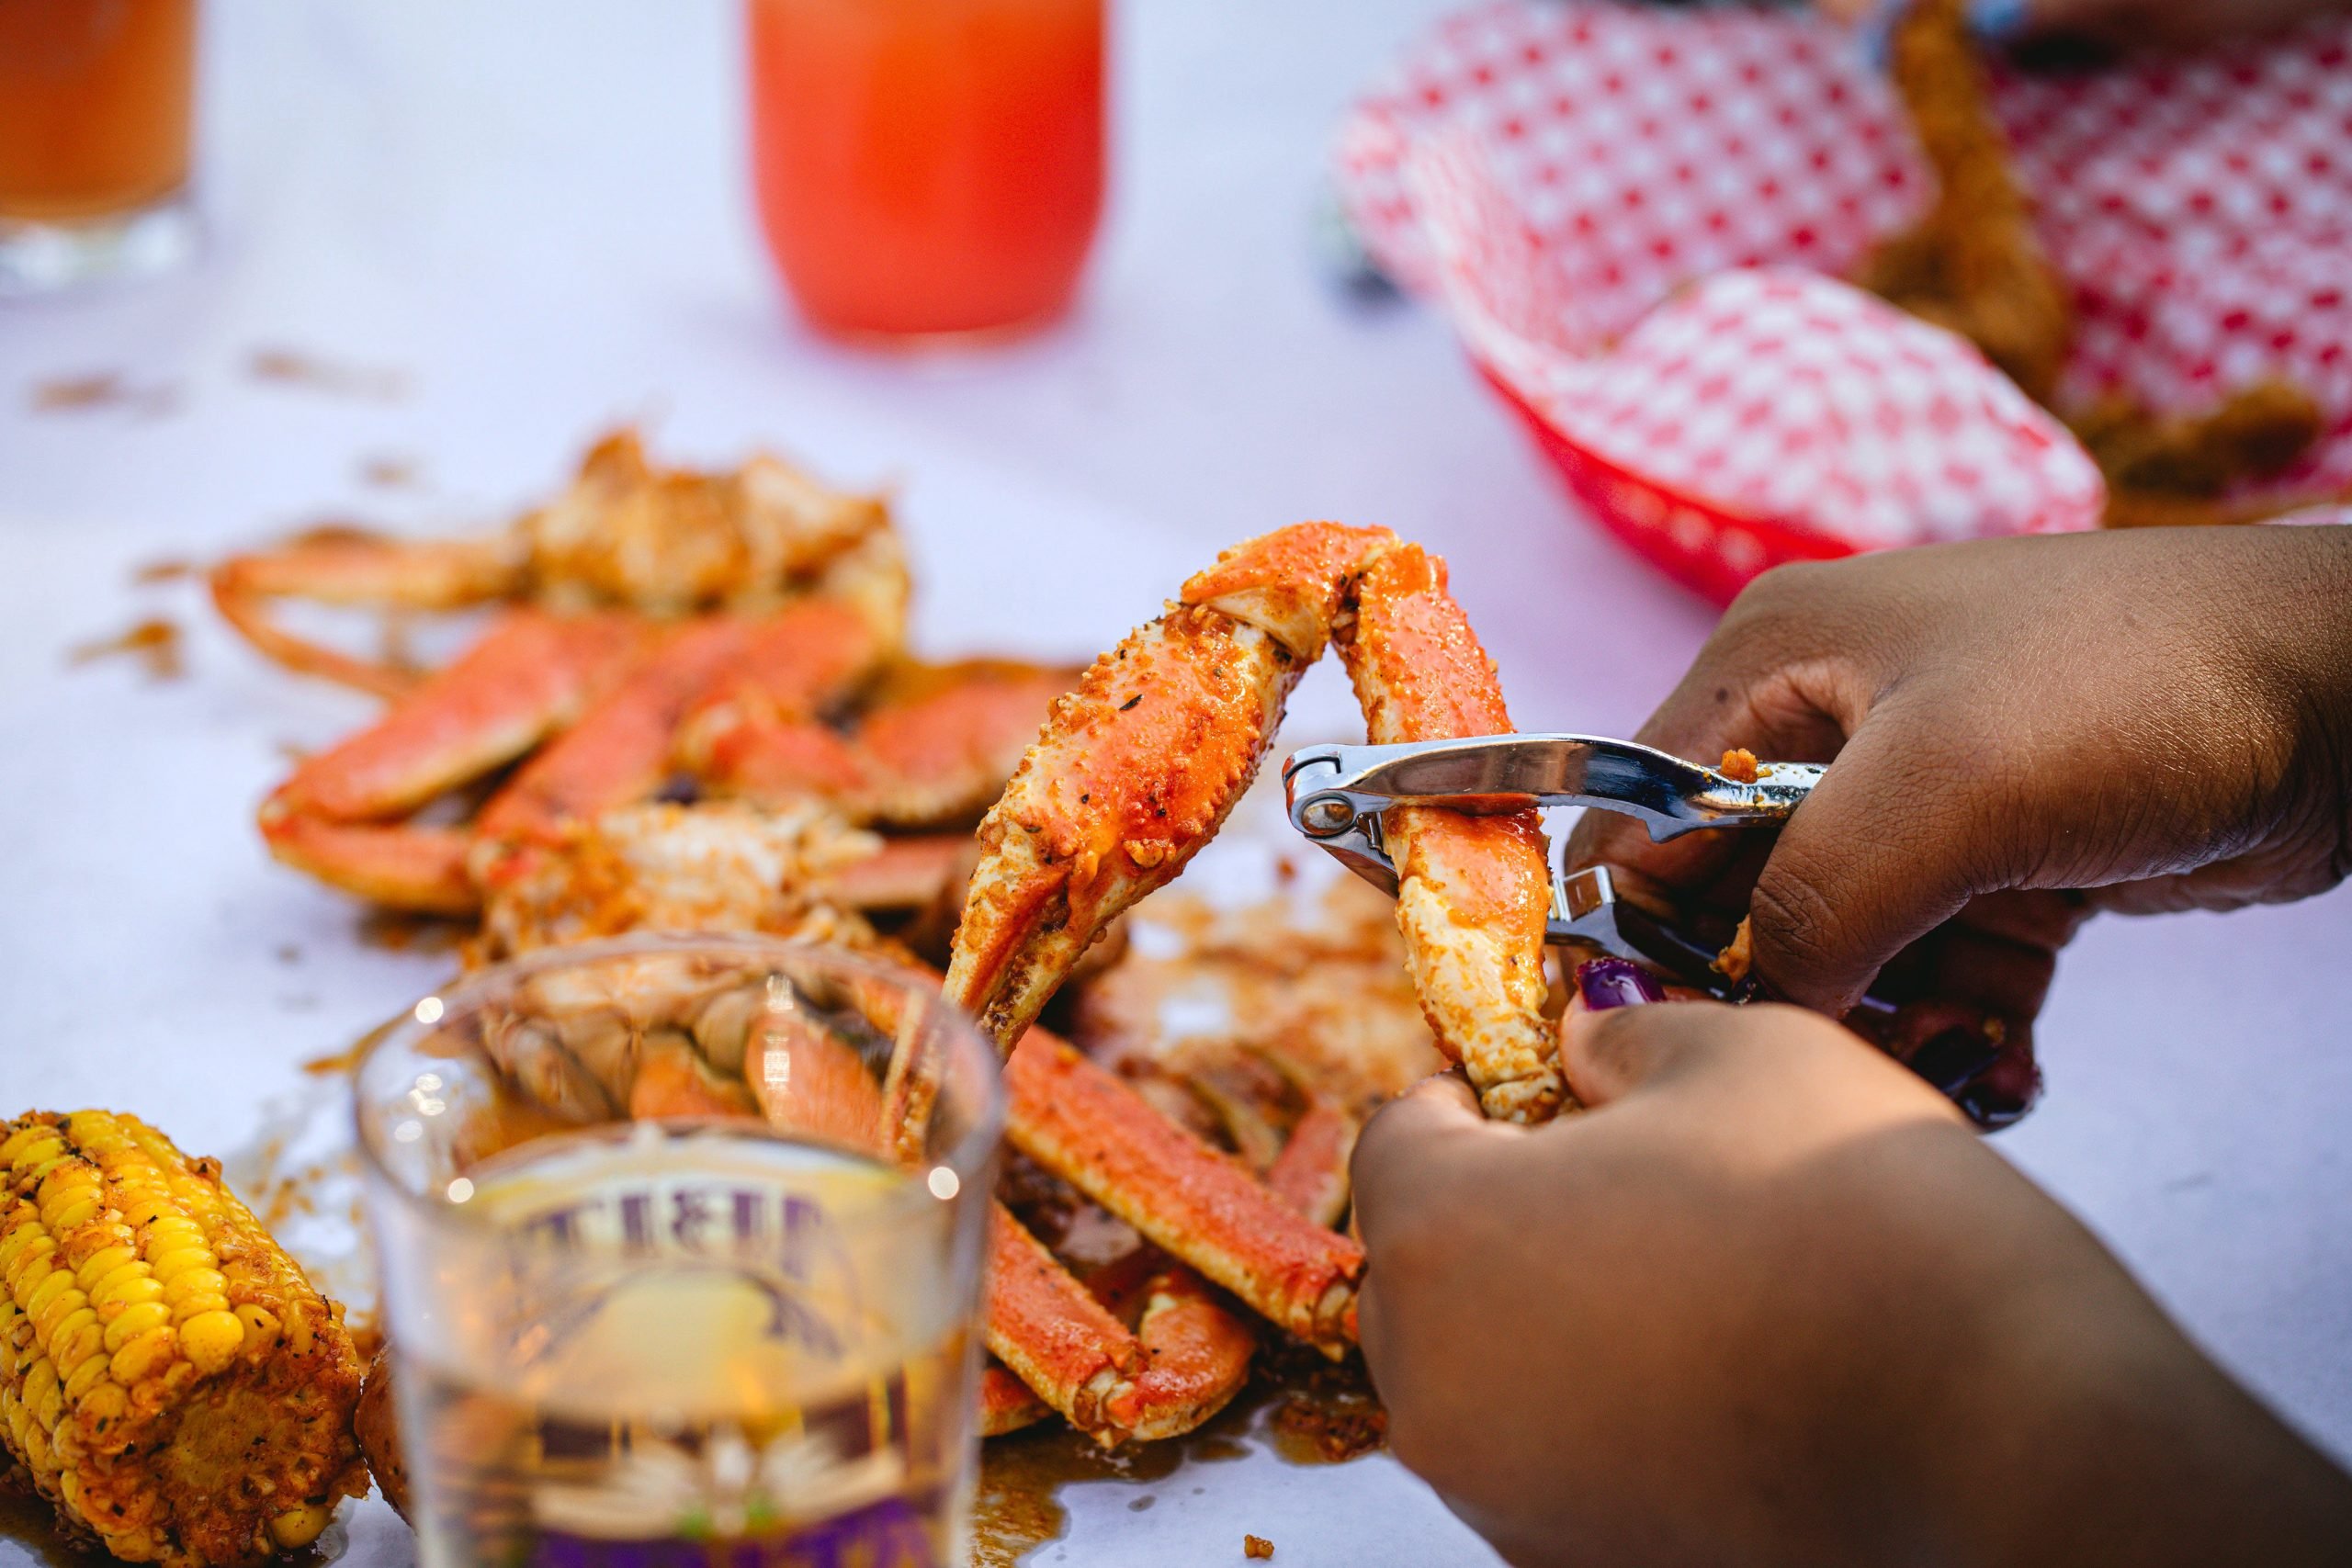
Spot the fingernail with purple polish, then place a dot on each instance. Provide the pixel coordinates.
(1614, 983)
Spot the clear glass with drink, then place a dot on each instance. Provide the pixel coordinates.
(682, 1243)
(96, 98)
(927, 169)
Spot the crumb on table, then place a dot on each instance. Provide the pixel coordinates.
(1739, 765)
(1256, 1546)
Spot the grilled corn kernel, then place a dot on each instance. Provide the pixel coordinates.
(144, 1318)
(45, 1297)
(212, 1339)
(299, 1525)
(104, 1265)
(170, 1266)
(195, 1283)
(145, 1313)
(136, 1359)
(89, 1375)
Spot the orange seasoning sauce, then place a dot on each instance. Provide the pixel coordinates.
(95, 105)
(1308, 1410)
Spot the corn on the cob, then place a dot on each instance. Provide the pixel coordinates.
(169, 1378)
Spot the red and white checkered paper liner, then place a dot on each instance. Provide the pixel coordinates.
(1631, 213)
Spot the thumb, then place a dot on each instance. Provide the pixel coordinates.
(1612, 1051)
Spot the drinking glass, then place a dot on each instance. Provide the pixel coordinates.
(96, 100)
(681, 1241)
(927, 169)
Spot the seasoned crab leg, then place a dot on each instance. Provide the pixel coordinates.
(1140, 766)
(1053, 1334)
(1007, 1403)
(935, 750)
(1134, 773)
(1472, 893)
(1195, 1352)
(1136, 770)
(621, 684)
(620, 750)
(623, 535)
(530, 675)
(347, 566)
(1310, 1174)
(1091, 1128)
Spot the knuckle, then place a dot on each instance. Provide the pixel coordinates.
(1783, 588)
(1797, 923)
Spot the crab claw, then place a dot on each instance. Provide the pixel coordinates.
(1134, 772)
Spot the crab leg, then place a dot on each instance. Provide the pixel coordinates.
(1473, 892)
(1196, 1352)
(529, 675)
(402, 867)
(1053, 1334)
(1136, 770)
(929, 757)
(1043, 1323)
(675, 1079)
(1311, 1172)
(1007, 1403)
(806, 1079)
(342, 565)
(526, 678)
(1088, 1126)
(619, 751)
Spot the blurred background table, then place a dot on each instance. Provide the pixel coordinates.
(529, 222)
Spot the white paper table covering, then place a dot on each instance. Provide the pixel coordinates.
(534, 211)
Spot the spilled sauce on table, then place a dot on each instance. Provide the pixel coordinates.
(155, 643)
(1307, 1410)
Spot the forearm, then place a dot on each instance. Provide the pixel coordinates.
(2254, 625)
(2320, 608)
(2089, 1429)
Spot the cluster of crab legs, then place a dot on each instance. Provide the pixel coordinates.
(739, 693)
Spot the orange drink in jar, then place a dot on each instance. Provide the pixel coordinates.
(928, 168)
(96, 100)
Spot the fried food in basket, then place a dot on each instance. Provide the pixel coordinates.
(170, 1379)
(1973, 264)
(2165, 470)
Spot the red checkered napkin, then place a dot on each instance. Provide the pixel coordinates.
(1559, 175)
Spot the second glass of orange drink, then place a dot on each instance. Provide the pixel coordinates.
(928, 169)
(96, 100)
